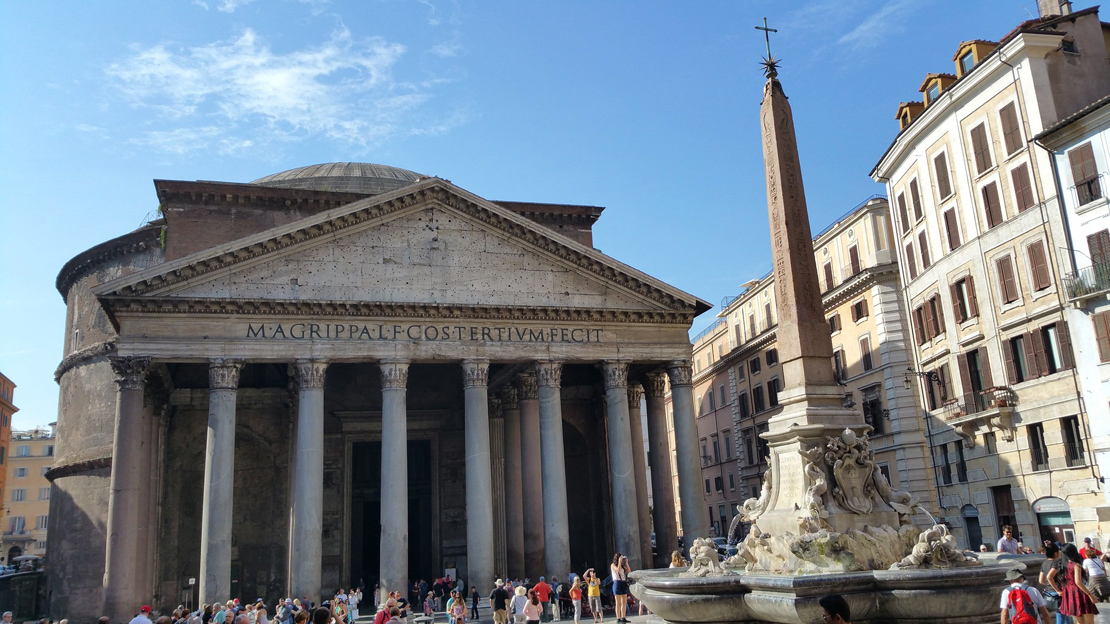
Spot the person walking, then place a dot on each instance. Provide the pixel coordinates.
(543, 594)
(474, 598)
(619, 570)
(458, 609)
(1075, 599)
(1014, 601)
(533, 609)
(520, 598)
(499, 603)
(1096, 574)
(593, 592)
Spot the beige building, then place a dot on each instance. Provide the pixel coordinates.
(737, 377)
(7, 410)
(27, 497)
(980, 240)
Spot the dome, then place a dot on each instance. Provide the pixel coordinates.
(347, 177)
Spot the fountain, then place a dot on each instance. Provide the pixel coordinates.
(826, 520)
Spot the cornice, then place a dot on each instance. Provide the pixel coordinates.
(858, 283)
(739, 354)
(379, 208)
(217, 193)
(98, 351)
(142, 239)
(77, 468)
(277, 308)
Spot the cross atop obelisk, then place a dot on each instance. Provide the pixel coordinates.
(770, 63)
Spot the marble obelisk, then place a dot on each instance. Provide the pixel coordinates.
(812, 401)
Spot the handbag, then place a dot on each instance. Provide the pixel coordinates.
(1051, 600)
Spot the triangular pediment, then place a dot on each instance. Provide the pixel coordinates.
(426, 244)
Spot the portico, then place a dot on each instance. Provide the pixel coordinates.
(407, 384)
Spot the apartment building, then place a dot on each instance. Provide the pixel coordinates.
(7, 410)
(981, 246)
(737, 376)
(27, 499)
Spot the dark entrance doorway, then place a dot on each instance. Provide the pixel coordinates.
(366, 469)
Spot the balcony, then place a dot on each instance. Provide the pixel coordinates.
(1074, 455)
(991, 410)
(1088, 282)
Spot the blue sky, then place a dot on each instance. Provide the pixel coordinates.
(647, 108)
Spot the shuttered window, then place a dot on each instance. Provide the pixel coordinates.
(903, 216)
(1011, 131)
(981, 148)
(944, 184)
(1007, 282)
(919, 325)
(1023, 189)
(923, 241)
(1038, 264)
(828, 276)
(992, 207)
(952, 228)
(937, 312)
(911, 260)
(1099, 246)
(915, 198)
(853, 258)
(865, 353)
(1085, 173)
(1102, 335)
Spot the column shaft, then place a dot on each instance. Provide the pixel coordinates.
(479, 478)
(394, 564)
(514, 480)
(307, 492)
(556, 527)
(219, 482)
(639, 464)
(626, 526)
(662, 487)
(497, 465)
(532, 476)
(695, 517)
(123, 557)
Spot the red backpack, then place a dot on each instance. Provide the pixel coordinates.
(1022, 609)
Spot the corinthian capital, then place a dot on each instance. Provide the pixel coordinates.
(656, 386)
(223, 374)
(130, 370)
(395, 373)
(635, 393)
(509, 398)
(549, 373)
(495, 406)
(615, 373)
(475, 373)
(681, 373)
(526, 385)
(310, 373)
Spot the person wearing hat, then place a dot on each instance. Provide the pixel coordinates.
(1016, 577)
(143, 617)
(499, 603)
(543, 593)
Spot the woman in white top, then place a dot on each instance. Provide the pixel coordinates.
(1096, 575)
(516, 606)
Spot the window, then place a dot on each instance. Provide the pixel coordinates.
(828, 276)
(981, 148)
(716, 448)
(728, 443)
(731, 482)
(40, 522)
(944, 183)
(923, 241)
(911, 261)
(1102, 335)
(1037, 446)
(707, 490)
(20, 473)
(859, 310)
(936, 314)
(1011, 131)
(952, 228)
(945, 467)
(992, 207)
(1073, 441)
(16, 525)
(744, 409)
(721, 390)
(23, 451)
(928, 320)
(961, 464)
(1017, 370)
(933, 92)
(964, 304)
(754, 365)
(834, 323)
(19, 495)
(757, 398)
(903, 215)
(1057, 347)
(1084, 173)
(773, 392)
(712, 402)
(1038, 265)
(1007, 282)
(865, 353)
(751, 327)
(764, 446)
(749, 447)
(740, 371)
(48, 450)
(840, 365)
(1099, 246)
(767, 315)
(718, 484)
(1067, 45)
(873, 410)
(915, 199)
(853, 259)
(967, 63)
(1023, 188)
(772, 357)
(939, 390)
(44, 493)
(990, 441)
(3, 450)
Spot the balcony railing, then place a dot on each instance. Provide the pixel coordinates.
(1088, 281)
(1074, 454)
(1089, 190)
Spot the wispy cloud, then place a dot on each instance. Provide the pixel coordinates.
(229, 6)
(239, 93)
(887, 21)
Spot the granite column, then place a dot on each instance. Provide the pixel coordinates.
(556, 527)
(219, 481)
(695, 516)
(662, 474)
(639, 465)
(626, 526)
(394, 563)
(532, 475)
(307, 496)
(479, 479)
(514, 479)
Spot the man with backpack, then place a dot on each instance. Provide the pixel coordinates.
(1022, 604)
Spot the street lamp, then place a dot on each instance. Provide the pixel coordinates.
(931, 377)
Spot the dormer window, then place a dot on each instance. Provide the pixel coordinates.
(932, 93)
(967, 62)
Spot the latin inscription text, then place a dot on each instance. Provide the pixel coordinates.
(427, 333)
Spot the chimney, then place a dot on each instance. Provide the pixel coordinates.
(1053, 7)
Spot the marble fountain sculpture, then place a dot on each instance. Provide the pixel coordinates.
(826, 520)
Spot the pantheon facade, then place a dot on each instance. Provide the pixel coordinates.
(353, 373)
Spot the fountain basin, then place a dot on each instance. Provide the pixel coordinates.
(955, 595)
